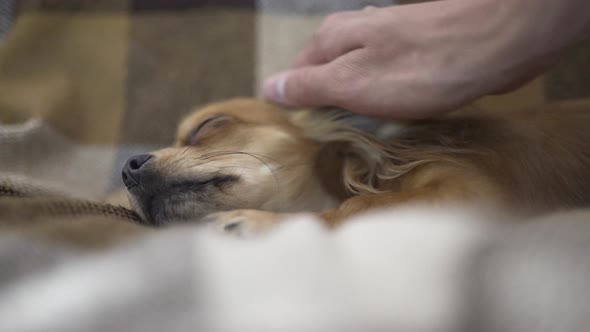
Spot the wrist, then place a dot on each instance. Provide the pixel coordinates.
(511, 41)
(472, 41)
(490, 44)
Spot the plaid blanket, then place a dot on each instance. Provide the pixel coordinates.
(84, 84)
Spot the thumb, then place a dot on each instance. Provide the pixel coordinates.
(301, 87)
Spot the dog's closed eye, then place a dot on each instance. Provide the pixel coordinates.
(207, 128)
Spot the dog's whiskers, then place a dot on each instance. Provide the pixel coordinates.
(223, 153)
(260, 157)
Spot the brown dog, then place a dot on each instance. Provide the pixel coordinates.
(245, 164)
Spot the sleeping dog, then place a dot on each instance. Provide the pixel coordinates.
(245, 165)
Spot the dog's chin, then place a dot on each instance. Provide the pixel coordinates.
(160, 211)
(159, 203)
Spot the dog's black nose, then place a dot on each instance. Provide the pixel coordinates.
(132, 169)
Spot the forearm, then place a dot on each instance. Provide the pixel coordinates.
(517, 38)
(552, 25)
(535, 33)
(548, 25)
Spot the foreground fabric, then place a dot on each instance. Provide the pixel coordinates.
(413, 270)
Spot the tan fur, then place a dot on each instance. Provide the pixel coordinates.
(527, 162)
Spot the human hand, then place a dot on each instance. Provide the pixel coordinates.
(410, 61)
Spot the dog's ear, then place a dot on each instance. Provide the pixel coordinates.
(358, 140)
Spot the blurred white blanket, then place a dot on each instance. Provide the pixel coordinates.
(411, 269)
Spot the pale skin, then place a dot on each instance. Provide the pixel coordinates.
(421, 60)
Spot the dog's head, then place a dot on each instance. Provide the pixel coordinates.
(237, 154)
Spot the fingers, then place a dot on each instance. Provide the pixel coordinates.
(324, 71)
(337, 35)
(307, 86)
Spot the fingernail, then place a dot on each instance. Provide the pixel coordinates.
(274, 88)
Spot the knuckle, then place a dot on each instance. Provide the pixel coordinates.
(369, 8)
(333, 18)
(347, 80)
(365, 32)
(316, 39)
(314, 49)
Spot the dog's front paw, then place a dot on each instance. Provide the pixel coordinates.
(243, 223)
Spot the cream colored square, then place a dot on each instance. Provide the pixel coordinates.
(280, 37)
